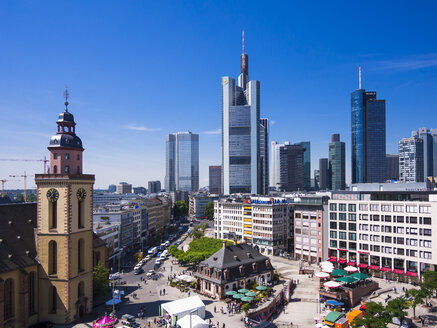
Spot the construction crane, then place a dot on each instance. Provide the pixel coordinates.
(25, 178)
(45, 160)
(3, 181)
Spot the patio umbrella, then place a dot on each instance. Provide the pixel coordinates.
(243, 290)
(247, 299)
(237, 296)
(331, 284)
(327, 269)
(360, 276)
(324, 263)
(231, 292)
(327, 266)
(347, 279)
(351, 269)
(338, 272)
(261, 287)
(322, 275)
(250, 294)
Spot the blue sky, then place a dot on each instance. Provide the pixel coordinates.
(138, 70)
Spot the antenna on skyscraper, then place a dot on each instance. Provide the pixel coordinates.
(243, 41)
(359, 78)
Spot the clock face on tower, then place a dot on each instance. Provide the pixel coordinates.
(52, 195)
(81, 194)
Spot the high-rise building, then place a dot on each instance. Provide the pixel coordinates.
(368, 137)
(215, 179)
(112, 188)
(392, 167)
(264, 155)
(124, 188)
(429, 157)
(154, 187)
(323, 174)
(434, 150)
(411, 160)
(240, 132)
(337, 163)
(316, 179)
(307, 163)
(182, 162)
(292, 171)
(275, 178)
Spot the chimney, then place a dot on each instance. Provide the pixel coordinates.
(224, 243)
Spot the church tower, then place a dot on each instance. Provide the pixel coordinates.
(64, 228)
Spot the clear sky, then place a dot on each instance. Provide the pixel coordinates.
(138, 70)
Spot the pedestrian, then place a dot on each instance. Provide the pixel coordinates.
(223, 325)
(148, 323)
(218, 324)
(189, 293)
(215, 309)
(164, 291)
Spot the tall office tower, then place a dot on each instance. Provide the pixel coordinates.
(324, 174)
(434, 150)
(154, 187)
(392, 167)
(124, 188)
(428, 151)
(411, 160)
(170, 158)
(306, 162)
(240, 132)
(337, 163)
(316, 179)
(275, 178)
(368, 136)
(292, 167)
(182, 162)
(215, 179)
(264, 155)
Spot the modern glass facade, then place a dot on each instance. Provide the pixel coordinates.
(411, 160)
(240, 133)
(215, 179)
(292, 170)
(337, 163)
(182, 162)
(368, 137)
(307, 163)
(264, 155)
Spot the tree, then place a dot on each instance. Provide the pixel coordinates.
(100, 280)
(395, 308)
(31, 197)
(19, 197)
(417, 297)
(180, 208)
(375, 317)
(429, 284)
(245, 307)
(209, 210)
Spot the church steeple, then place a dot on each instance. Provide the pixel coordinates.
(66, 147)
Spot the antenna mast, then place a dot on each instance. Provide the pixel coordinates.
(243, 41)
(359, 77)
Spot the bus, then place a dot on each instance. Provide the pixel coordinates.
(153, 251)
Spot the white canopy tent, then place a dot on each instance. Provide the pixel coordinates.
(186, 278)
(183, 307)
(196, 322)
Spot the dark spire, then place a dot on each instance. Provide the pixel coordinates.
(66, 96)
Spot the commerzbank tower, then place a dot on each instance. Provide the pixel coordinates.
(241, 132)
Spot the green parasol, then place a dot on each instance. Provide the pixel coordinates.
(231, 292)
(237, 296)
(261, 287)
(243, 290)
(347, 279)
(338, 272)
(360, 276)
(247, 299)
(250, 294)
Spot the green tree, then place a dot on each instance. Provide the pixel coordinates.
(245, 307)
(100, 280)
(209, 210)
(429, 284)
(180, 208)
(417, 297)
(31, 197)
(375, 317)
(395, 308)
(19, 197)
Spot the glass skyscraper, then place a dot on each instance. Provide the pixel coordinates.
(182, 162)
(264, 155)
(307, 163)
(337, 163)
(241, 132)
(368, 137)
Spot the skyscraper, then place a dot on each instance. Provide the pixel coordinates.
(428, 151)
(337, 163)
(215, 179)
(154, 187)
(392, 167)
(306, 162)
(264, 155)
(182, 162)
(275, 178)
(292, 172)
(411, 160)
(368, 136)
(323, 174)
(241, 132)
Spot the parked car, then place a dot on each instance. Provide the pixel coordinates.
(139, 271)
(158, 262)
(115, 276)
(148, 258)
(138, 266)
(150, 274)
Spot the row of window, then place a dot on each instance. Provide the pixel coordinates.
(396, 251)
(384, 208)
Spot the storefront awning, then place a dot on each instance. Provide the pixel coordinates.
(385, 269)
(374, 267)
(411, 274)
(398, 271)
(362, 265)
(351, 263)
(332, 259)
(341, 261)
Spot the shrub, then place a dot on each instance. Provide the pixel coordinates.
(245, 307)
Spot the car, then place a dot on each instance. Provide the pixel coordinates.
(115, 276)
(158, 262)
(162, 258)
(159, 254)
(178, 243)
(167, 243)
(137, 267)
(148, 258)
(143, 261)
(139, 271)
